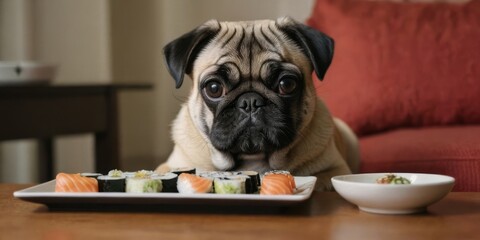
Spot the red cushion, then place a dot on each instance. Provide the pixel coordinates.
(453, 151)
(401, 64)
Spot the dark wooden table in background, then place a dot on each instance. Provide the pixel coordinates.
(46, 111)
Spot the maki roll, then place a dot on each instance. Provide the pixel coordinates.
(143, 185)
(252, 182)
(230, 185)
(252, 174)
(169, 182)
(191, 183)
(111, 184)
(142, 182)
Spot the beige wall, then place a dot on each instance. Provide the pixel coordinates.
(15, 44)
(115, 41)
(75, 36)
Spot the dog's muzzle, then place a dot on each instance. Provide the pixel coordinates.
(250, 105)
(251, 125)
(250, 102)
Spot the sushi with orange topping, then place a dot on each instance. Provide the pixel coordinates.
(191, 183)
(278, 183)
(75, 183)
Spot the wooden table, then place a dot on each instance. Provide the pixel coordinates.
(325, 216)
(45, 111)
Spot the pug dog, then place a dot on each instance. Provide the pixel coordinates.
(253, 104)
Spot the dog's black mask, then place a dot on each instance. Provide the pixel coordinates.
(250, 121)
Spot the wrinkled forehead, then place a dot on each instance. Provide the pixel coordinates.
(249, 47)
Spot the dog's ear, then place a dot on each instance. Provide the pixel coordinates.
(182, 52)
(315, 44)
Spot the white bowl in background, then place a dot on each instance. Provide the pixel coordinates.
(12, 72)
(363, 191)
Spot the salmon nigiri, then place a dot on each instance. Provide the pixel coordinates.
(191, 183)
(277, 184)
(75, 183)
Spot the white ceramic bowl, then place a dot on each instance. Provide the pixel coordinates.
(25, 72)
(363, 191)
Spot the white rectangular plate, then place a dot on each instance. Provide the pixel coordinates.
(45, 194)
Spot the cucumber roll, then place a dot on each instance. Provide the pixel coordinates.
(143, 184)
(230, 185)
(111, 184)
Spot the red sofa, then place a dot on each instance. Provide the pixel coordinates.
(406, 78)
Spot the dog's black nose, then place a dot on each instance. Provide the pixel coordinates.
(250, 102)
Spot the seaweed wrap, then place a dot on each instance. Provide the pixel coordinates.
(253, 182)
(169, 182)
(111, 184)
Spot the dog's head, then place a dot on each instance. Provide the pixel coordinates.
(252, 90)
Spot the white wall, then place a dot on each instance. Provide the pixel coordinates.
(116, 41)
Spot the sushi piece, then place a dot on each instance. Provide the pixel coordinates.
(142, 182)
(75, 183)
(190, 183)
(277, 184)
(251, 178)
(230, 185)
(252, 174)
(143, 185)
(252, 182)
(286, 173)
(111, 184)
(179, 171)
(169, 182)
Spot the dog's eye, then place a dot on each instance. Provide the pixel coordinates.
(286, 85)
(214, 89)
